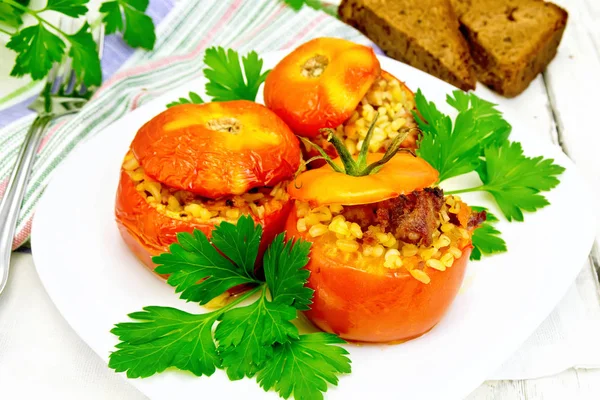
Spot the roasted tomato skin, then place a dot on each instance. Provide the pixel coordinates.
(402, 174)
(309, 103)
(148, 233)
(188, 147)
(379, 304)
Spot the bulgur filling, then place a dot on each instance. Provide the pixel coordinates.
(394, 103)
(187, 206)
(363, 244)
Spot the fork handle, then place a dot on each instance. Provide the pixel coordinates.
(13, 196)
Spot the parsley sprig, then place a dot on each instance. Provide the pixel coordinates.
(250, 340)
(228, 77)
(477, 141)
(515, 180)
(486, 238)
(226, 80)
(41, 45)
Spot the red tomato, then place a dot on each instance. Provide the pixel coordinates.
(148, 233)
(375, 304)
(319, 84)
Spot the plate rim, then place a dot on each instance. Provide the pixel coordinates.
(565, 161)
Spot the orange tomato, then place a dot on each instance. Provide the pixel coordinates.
(402, 174)
(375, 304)
(217, 149)
(212, 150)
(319, 84)
(148, 233)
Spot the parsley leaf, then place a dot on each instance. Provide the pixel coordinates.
(515, 180)
(86, 62)
(72, 8)
(165, 337)
(10, 15)
(491, 127)
(285, 274)
(258, 339)
(303, 367)
(194, 259)
(486, 238)
(138, 29)
(240, 242)
(37, 49)
(226, 81)
(194, 98)
(246, 335)
(456, 150)
(113, 20)
(451, 150)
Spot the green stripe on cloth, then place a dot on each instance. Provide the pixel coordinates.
(191, 27)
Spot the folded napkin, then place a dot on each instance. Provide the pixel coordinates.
(134, 77)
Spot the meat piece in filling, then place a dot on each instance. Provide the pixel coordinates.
(411, 218)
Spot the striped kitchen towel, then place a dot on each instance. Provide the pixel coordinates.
(182, 36)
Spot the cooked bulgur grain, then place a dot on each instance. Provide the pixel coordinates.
(374, 245)
(187, 206)
(394, 103)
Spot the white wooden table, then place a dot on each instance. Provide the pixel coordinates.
(571, 89)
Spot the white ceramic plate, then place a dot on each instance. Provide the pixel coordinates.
(95, 281)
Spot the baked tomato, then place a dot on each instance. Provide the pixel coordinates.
(194, 166)
(388, 252)
(319, 84)
(217, 149)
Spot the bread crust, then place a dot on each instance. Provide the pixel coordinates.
(511, 41)
(443, 53)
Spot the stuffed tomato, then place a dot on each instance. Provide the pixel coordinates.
(194, 166)
(389, 251)
(333, 83)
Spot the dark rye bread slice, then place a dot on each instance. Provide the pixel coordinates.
(511, 41)
(422, 33)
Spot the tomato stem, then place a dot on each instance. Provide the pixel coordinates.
(325, 156)
(359, 166)
(364, 149)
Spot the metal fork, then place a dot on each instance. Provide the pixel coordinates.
(61, 96)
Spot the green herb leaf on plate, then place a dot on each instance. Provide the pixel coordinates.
(246, 335)
(239, 242)
(256, 339)
(198, 271)
(486, 239)
(303, 368)
(285, 274)
(226, 80)
(452, 150)
(194, 98)
(515, 180)
(490, 125)
(456, 150)
(165, 337)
